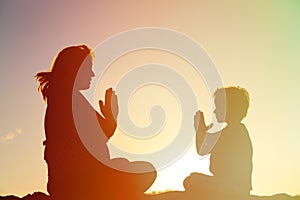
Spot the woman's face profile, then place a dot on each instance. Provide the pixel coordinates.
(85, 74)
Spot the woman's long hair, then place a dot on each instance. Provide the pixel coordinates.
(63, 71)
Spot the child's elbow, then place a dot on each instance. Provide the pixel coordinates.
(202, 152)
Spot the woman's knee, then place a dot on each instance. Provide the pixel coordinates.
(142, 167)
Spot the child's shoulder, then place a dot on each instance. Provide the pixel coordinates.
(236, 128)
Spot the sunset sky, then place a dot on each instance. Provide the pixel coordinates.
(254, 44)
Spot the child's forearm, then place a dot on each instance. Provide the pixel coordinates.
(206, 142)
(200, 135)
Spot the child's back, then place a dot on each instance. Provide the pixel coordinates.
(231, 157)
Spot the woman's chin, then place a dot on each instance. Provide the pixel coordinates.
(83, 87)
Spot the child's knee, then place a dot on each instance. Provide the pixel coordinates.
(187, 183)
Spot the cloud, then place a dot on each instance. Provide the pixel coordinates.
(7, 138)
(19, 130)
(10, 136)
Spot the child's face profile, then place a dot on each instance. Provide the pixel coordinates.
(220, 110)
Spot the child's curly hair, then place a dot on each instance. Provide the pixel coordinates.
(237, 101)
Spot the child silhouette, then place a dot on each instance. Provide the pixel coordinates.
(231, 149)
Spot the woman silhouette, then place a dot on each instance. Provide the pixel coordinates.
(73, 171)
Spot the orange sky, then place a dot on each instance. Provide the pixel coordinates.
(253, 44)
